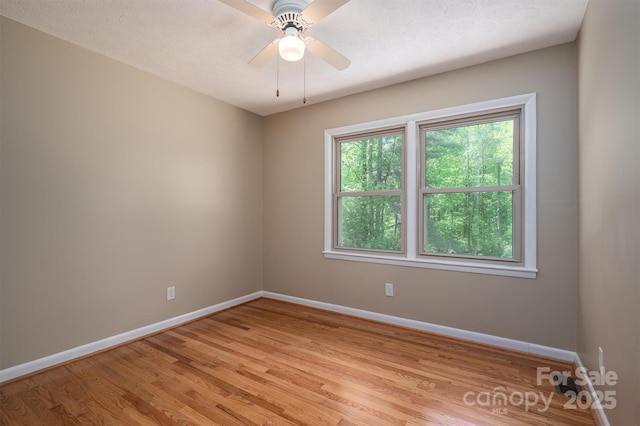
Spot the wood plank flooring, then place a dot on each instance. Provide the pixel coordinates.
(274, 363)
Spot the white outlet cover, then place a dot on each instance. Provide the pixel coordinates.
(388, 289)
(171, 293)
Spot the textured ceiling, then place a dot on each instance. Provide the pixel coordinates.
(205, 45)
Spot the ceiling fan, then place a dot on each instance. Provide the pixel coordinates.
(293, 18)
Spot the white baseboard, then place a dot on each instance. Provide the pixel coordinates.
(501, 342)
(601, 417)
(109, 342)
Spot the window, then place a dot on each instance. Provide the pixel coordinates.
(470, 192)
(449, 189)
(368, 194)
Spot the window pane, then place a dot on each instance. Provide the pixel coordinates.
(373, 222)
(470, 155)
(371, 164)
(472, 223)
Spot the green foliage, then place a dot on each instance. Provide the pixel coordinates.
(473, 223)
(373, 164)
(456, 221)
(370, 221)
(469, 156)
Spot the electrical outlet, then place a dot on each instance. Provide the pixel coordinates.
(171, 292)
(388, 289)
(601, 358)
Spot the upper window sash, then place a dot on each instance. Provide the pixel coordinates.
(510, 115)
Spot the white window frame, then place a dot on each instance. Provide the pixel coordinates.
(411, 257)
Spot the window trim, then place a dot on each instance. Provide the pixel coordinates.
(411, 257)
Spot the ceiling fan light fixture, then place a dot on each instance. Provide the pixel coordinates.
(291, 46)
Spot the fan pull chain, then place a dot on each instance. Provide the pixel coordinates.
(277, 76)
(304, 79)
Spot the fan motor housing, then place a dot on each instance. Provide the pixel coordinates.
(287, 12)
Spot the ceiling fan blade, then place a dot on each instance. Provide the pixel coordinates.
(250, 9)
(327, 54)
(318, 9)
(269, 51)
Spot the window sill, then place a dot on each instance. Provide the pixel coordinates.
(447, 265)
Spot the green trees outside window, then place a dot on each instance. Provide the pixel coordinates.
(467, 181)
(369, 198)
(470, 188)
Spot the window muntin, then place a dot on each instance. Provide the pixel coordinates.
(369, 191)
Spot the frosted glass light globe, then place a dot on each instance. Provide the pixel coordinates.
(291, 47)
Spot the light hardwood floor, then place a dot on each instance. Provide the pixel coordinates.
(275, 363)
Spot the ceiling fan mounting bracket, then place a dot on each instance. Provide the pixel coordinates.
(288, 15)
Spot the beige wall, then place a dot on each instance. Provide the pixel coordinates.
(114, 185)
(542, 311)
(609, 180)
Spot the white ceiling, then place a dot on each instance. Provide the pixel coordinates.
(205, 45)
